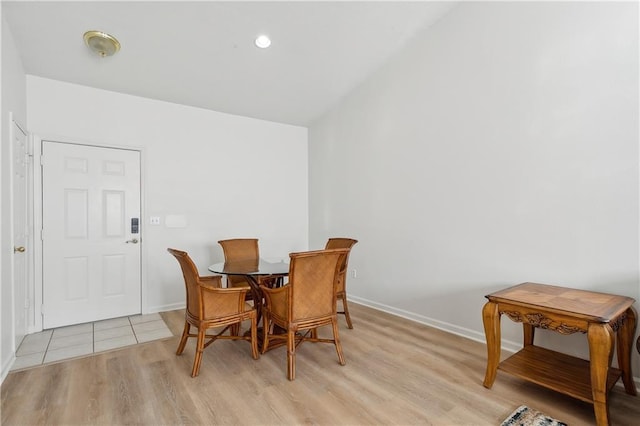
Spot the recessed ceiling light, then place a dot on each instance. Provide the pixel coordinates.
(262, 41)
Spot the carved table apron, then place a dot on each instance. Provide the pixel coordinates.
(601, 316)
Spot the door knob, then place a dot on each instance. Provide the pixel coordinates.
(134, 241)
(19, 249)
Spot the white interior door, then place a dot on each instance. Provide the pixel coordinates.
(19, 220)
(90, 235)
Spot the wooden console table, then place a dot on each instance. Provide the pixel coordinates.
(566, 311)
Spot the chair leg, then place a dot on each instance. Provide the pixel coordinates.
(336, 341)
(183, 339)
(266, 329)
(346, 310)
(254, 338)
(199, 349)
(235, 329)
(291, 354)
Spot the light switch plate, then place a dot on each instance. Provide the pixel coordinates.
(154, 220)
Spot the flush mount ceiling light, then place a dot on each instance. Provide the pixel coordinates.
(263, 41)
(101, 43)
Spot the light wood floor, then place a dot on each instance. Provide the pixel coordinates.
(397, 373)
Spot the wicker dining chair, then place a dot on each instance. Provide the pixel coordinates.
(210, 306)
(240, 249)
(245, 249)
(341, 292)
(306, 302)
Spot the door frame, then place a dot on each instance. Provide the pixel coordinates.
(29, 255)
(37, 209)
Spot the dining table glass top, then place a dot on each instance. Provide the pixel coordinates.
(251, 267)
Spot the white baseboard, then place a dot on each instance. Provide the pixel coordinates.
(6, 367)
(164, 308)
(509, 346)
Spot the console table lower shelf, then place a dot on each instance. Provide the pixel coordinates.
(557, 371)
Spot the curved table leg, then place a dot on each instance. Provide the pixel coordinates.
(256, 294)
(601, 339)
(258, 303)
(624, 347)
(491, 321)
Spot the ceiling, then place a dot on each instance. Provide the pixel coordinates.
(202, 53)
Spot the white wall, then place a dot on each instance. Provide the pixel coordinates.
(230, 176)
(14, 101)
(500, 146)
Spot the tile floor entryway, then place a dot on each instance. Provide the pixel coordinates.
(84, 339)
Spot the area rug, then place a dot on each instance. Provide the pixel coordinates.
(525, 416)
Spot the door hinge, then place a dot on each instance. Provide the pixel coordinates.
(42, 234)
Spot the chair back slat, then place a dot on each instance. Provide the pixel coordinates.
(240, 249)
(190, 274)
(335, 243)
(312, 279)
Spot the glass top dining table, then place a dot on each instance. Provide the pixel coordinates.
(250, 268)
(257, 272)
